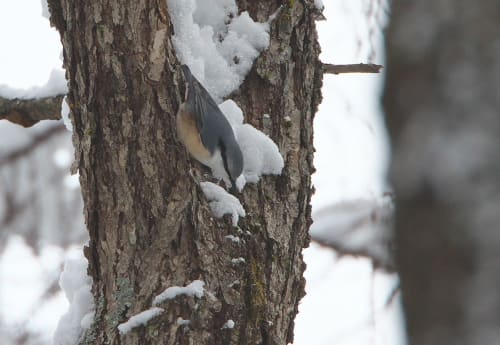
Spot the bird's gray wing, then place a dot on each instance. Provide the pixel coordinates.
(210, 121)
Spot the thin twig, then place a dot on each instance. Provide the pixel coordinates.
(352, 68)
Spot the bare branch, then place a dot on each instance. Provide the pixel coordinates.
(359, 228)
(352, 68)
(37, 140)
(28, 112)
(341, 250)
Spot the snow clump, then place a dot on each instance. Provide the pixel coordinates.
(221, 202)
(218, 44)
(65, 111)
(196, 288)
(76, 285)
(261, 156)
(56, 85)
(319, 4)
(228, 325)
(140, 319)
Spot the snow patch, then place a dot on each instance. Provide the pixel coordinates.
(193, 289)
(218, 44)
(221, 202)
(140, 319)
(261, 156)
(87, 320)
(233, 238)
(45, 9)
(233, 284)
(76, 285)
(237, 261)
(319, 4)
(182, 322)
(56, 85)
(255, 33)
(228, 325)
(65, 115)
(62, 157)
(232, 112)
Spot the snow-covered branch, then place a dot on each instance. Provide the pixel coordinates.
(358, 228)
(27, 112)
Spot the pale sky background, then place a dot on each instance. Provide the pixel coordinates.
(345, 302)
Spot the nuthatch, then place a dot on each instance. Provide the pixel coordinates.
(206, 132)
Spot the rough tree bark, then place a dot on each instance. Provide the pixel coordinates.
(442, 104)
(149, 224)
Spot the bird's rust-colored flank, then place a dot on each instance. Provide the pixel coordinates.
(190, 136)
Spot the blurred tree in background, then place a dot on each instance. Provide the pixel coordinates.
(37, 197)
(41, 203)
(443, 114)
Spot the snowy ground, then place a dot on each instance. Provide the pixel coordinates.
(346, 300)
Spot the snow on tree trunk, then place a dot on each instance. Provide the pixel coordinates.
(442, 105)
(149, 222)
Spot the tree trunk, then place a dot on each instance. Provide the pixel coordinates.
(149, 223)
(442, 104)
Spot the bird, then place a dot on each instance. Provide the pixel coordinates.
(206, 133)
